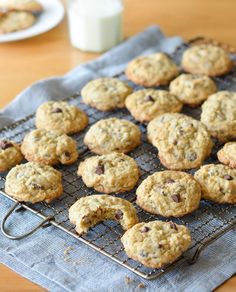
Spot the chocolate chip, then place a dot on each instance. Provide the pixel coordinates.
(57, 110)
(143, 254)
(149, 98)
(173, 226)
(119, 215)
(175, 142)
(100, 169)
(228, 177)
(191, 156)
(145, 229)
(160, 246)
(170, 181)
(67, 154)
(176, 198)
(37, 187)
(4, 144)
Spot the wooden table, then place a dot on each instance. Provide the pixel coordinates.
(24, 62)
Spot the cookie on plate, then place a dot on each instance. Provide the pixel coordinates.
(227, 155)
(182, 141)
(156, 244)
(218, 183)
(15, 21)
(110, 173)
(91, 210)
(206, 59)
(153, 70)
(106, 94)
(112, 135)
(61, 116)
(21, 5)
(169, 193)
(10, 155)
(49, 147)
(192, 89)
(219, 115)
(145, 105)
(33, 182)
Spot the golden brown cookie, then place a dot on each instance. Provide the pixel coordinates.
(227, 155)
(10, 155)
(21, 5)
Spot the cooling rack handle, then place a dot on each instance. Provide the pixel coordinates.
(8, 235)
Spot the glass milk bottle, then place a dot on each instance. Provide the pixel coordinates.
(95, 25)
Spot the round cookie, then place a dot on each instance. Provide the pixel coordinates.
(192, 89)
(145, 105)
(153, 70)
(219, 115)
(33, 182)
(10, 155)
(169, 193)
(182, 142)
(227, 155)
(206, 59)
(156, 244)
(49, 147)
(218, 183)
(106, 94)
(110, 173)
(21, 5)
(91, 210)
(60, 116)
(112, 135)
(15, 21)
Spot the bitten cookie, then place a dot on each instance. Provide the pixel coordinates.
(106, 94)
(169, 193)
(192, 89)
(206, 59)
(145, 105)
(219, 115)
(89, 211)
(61, 116)
(227, 155)
(182, 141)
(21, 5)
(33, 182)
(10, 155)
(112, 135)
(15, 21)
(49, 147)
(153, 70)
(156, 244)
(111, 173)
(218, 183)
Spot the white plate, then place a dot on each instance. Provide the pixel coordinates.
(52, 15)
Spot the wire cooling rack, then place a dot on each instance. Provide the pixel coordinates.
(206, 224)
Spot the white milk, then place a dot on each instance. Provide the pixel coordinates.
(95, 25)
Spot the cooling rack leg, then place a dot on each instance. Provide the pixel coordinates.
(11, 210)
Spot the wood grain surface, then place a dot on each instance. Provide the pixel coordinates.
(25, 62)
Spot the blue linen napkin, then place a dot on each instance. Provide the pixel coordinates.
(59, 262)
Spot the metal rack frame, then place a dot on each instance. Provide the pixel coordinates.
(206, 224)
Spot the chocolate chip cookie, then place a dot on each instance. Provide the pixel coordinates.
(156, 244)
(206, 59)
(153, 70)
(10, 155)
(227, 155)
(192, 89)
(112, 135)
(106, 94)
(21, 5)
(145, 105)
(110, 173)
(182, 141)
(218, 183)
(169, 193)
(33, 182)
(49, 147)
(61, 116)
(219, 115)
(89, 211)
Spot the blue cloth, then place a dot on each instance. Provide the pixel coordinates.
(42, 258)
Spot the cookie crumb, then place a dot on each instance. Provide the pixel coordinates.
(128, 280)
(141, 286)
